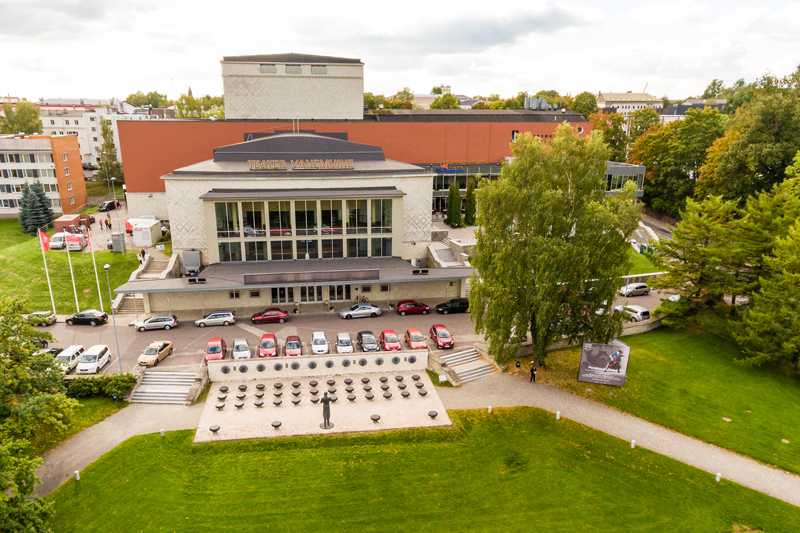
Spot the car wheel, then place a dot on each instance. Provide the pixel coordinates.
(373, 315)
(402, 313)
(348, 317)
(425, 312)
(141, 329)
(167, 327)
(69, 322)
(202, 324)
(282, 321)
(93, 323)
(226, 323)
(445, 311)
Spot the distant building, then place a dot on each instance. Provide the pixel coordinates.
(52, 161)
(293, 86)
(674, 112)
(627, 103)
(424, 101)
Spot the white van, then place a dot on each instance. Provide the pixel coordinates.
(58, 241)
(76, 242)
(68, 358)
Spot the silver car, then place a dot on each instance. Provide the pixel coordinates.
(166, 322)
(217, 318)
(360, 311)
(635, 289)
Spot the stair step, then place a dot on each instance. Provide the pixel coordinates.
(461, 360)
(473, 377)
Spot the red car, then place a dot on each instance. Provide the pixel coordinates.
(441, 337)
(268, 345)
(216, 349)
(390, 341)
(271, 315)
(410, 307)
(415, 339)
(293, 346)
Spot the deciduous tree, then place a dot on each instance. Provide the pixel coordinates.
(469, 201)
(204, 107)
(612, 128)
(20, 118)
(108, 164)
(551, 246)
(641, 121)
(454, 205)
(152, 99)
(445, 101)
(585, 103)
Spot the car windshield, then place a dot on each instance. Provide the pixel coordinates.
(417, 337)
(150, 351)
(63, 358)
(344, 342)
(292, 345)
(268, 343)
(368, 339)
(390, 337)
(89, 358)
(240, 347)
(214, 348)
(354, 307)
(318, 341)
(443, 334)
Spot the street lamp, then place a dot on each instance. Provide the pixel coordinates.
(107, 267)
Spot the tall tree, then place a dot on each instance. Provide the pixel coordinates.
(640, 121)
(403, 99)
(152, 99)
(550, 246)
(40, 214)
(469, 201)
(714, 89)
(108, 165)
(454, 205)
(436, 89)
(771, 326)
(25, 203)
(612, 127)
(585, 103)
(22, 118)
(445, 101)
(188, 106)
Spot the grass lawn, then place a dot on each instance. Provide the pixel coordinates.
(515, 470)
(89, 412)
(23, 272)
(688, 381)
(99, 189)
(641, 264)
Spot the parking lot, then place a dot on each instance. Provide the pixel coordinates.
(190, 341)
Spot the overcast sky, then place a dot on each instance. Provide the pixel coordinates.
(105, 48)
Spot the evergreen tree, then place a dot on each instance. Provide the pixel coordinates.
(454, 205)
(25, 211)
(41, 214)
(469, 202)
(108, 166)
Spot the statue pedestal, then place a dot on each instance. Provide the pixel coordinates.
(329, 426)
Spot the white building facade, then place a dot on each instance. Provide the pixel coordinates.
(22, 162)
(628, 102)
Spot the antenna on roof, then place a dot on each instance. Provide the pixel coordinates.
(645, 88)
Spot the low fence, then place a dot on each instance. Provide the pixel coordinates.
(316, 365)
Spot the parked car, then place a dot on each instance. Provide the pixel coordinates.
(154, 353)
(634, 289)
(410, 307)
(319, 343)
(76, 242)
(367, 342)
(40, 318)
(390, 341)
(92, 317)
(240, 349)
(636, 313)
(52, 351)
(361, 311)
(217, 318)
(415, 340)
(456, 305)
(293, 346)
(94, 359)
(58, 241)
(268, 345)
(69, 356)
(108, 205)
(166, 322)
(441, 337)
(271, 315)
(344, 344)
(216, 349)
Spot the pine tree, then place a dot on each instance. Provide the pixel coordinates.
(469, 203)
(41, 213)
(454, 206)
(25, 211)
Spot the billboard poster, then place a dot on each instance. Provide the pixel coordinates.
(604, 364)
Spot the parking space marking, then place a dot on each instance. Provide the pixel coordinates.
(249, 329)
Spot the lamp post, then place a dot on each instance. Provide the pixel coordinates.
(114, 190)
(107, 267)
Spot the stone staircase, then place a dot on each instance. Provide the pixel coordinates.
(467, 364)
(155, 266)
(162, 386)
(131, 305)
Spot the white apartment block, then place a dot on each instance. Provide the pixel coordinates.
(628, 102)
(293, 86)
(24, 161)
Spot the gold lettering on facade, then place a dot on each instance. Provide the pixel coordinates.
(301, 164)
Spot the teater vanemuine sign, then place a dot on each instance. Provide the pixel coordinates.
(300, 164)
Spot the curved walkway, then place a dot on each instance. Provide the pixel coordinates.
(504, 390)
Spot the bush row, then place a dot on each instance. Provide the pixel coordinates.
(113, 386)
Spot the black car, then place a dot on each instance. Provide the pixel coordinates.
(367, 341)
(456, 305)
(108, 205)
(91, 317)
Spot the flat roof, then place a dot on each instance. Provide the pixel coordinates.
(343, 192)
(472, 115)
(240, 168)
(292, 57)
(230, 276)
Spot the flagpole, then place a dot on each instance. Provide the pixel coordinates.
(72, 275)
(96, 276)
(46, 271)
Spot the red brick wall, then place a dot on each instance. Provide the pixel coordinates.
(68, 144)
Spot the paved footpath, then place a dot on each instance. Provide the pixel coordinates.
(87, 446)
(503, 390)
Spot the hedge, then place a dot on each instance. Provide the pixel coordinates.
(115, 386)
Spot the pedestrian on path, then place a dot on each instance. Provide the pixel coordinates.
(141, 255)
(533, 374)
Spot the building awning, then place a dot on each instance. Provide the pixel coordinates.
(269, 194)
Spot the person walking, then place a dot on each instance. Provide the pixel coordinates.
(533, 374)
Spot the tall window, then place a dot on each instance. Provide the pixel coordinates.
(280, 220)
(307, 249)
(381, 247)
(282, 295)
(227, 219)
(331, 217)
(230, 251)
(281, 250)
(356, 216)
(357, 247)
(381, 216)
(332, 248)
(254, 219)
(311, 294)
(255, 251)
(338, 293)
(305, 217)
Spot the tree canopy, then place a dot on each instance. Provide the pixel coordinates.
(108, 164)
(21, 118)
(640, 121)
(445, 101)
(203, 107)
(585, 103)
(35, 209)
(612, 128)
(454, 206)
(551, 246)
(151, 99)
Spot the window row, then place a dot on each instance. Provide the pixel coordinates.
(285, 218)
(19, 187)
(27, 157)
(304, 249)
(28, 173)
(272, 68)
(310, 294)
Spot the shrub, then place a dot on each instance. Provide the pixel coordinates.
(113, 386)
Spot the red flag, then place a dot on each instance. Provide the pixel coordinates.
(44, 240)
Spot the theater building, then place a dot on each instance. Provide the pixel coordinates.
(299, 219)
